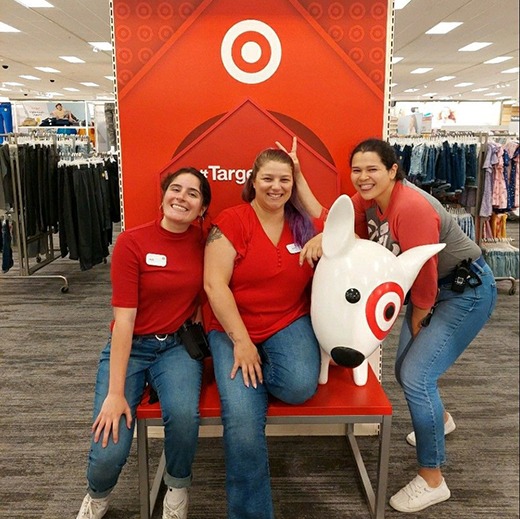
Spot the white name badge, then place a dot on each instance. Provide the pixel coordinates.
(293, 248)
(156, 260)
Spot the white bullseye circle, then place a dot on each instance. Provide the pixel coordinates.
(251, 51)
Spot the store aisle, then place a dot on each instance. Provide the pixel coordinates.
(49, 345)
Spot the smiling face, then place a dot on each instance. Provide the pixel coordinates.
(371, 178)
(182, 203)
(273, 185)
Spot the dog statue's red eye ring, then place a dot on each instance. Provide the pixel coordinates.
(382, 308)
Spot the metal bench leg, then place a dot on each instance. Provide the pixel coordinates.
(142, 466)
(382, 469)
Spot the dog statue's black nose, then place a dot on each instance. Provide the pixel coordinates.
(347, 357)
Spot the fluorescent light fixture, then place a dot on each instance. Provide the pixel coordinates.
(396, 59)
(412, 89)
(71, 59)
(401, 4)
(90, 84)
(443, 27)
(430, 94)
(7, 28)
(71, 89)
(504, 97)
(34, 3)
(393, 85)
(12, 83)
(54, 94)
(32, 78)
(3, 89)
(480, 89)
(101, 45)
(48, 69)
(476, 45)
(445, 78)
(463, 84)
(492, 94)
(421, 70)
(498, 59)
(513, 70)
(111, 78)
(105, 98)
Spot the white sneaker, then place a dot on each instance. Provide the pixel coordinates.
(175, 504)
(93, 508)
(417, 495)
(449, 427)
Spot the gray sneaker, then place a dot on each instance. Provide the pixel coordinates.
(417, 495)
(93, 508)
(177, 509)
(449, 427)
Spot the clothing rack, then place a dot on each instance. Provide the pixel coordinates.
(44, 239)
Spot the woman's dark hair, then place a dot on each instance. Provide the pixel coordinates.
(298, 219)
(58, 104)
(384, 150)
(205, 189)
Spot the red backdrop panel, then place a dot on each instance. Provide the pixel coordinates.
(212, 83)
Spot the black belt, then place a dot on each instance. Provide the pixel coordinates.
(448, 280)
(159, 336)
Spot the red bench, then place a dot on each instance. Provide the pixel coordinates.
(340, 401)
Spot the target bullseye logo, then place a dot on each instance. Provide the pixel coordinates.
(251, 51)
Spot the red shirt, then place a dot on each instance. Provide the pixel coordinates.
(159, 273)
(271, 290)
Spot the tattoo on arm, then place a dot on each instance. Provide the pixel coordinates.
(232, 337)
(214, 234)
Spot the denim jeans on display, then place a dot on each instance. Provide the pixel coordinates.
(290, 366)
(166, 365)
(420, 362)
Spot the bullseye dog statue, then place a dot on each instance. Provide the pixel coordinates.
(358, 290)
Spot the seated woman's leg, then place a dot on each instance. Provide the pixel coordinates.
(177, 379)
(291, 362)
(105, 463)
(244, 411)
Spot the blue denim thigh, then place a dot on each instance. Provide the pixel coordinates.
(291, 362)
(105, 464)
(177, 378)
(420, 362)
(244, 411)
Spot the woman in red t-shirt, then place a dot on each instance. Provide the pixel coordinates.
(260, 334)
(156, 286)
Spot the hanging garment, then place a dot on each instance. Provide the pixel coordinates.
(7, 251)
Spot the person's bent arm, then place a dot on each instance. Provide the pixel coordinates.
(219, 261)
(309, 201)
(115, 404)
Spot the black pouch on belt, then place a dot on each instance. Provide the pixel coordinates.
(193, 337)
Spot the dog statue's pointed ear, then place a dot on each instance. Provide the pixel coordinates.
(338, 234)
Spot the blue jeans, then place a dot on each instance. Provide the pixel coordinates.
(177, 378)
(420, 362)
(290, 366)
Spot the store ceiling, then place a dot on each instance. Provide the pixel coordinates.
(67, 28)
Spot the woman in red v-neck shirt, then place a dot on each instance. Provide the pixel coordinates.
(260, 333)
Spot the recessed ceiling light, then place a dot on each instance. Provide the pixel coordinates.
(12, 83)
(463, 84)
(393, 85)
(504, 97)
(430, 94)
(445, 78)
(480, 89)
(476, 45)
(48, 69)
(443, 27)
(101, 45)
(498, 59)
(412, 89)
(396, 59)
(513, 70)
(7, 28)
(32, 78)
(71, 59)
(421, 70)
(3, 89)
(492, 94)
(54, 94)
(34, 3)
(90, 84)
(111, 78)
(401, 4)
(71, 89)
